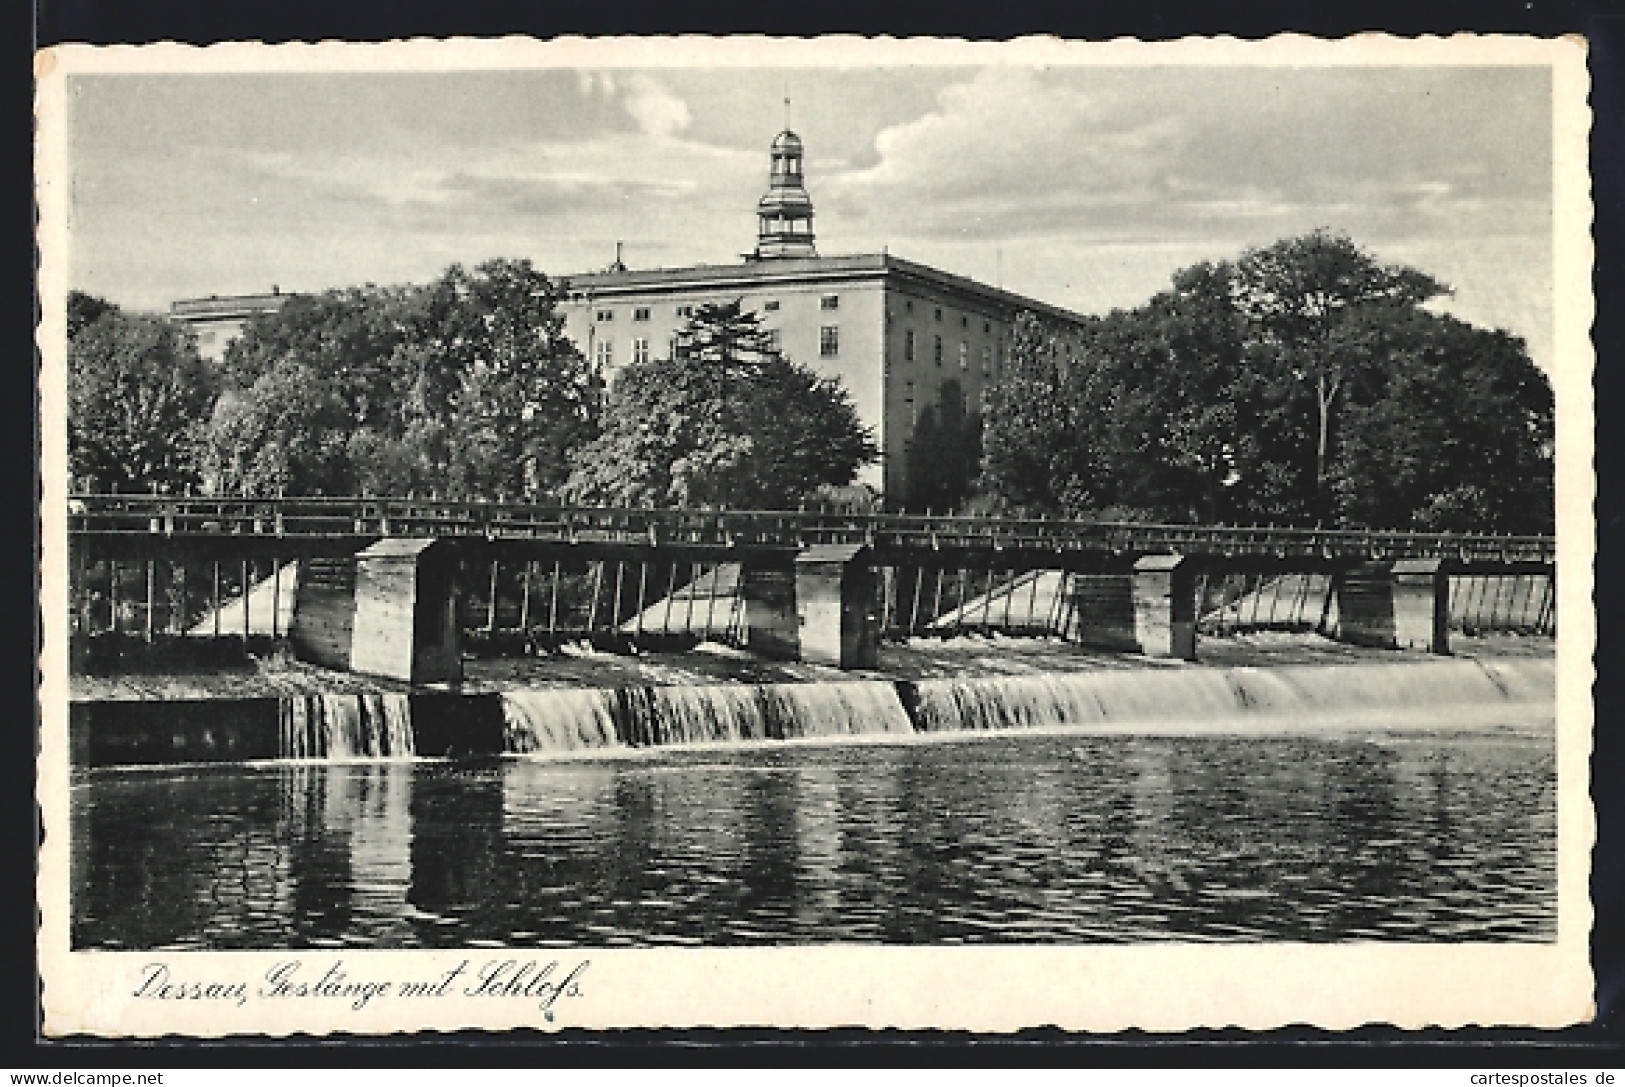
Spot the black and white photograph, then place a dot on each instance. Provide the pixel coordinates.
(663, 532)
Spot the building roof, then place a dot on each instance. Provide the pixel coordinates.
(217, 307)
(753, 274)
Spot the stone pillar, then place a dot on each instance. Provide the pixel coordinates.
(837, 598)
(1164, 591)
(1421, 604)
(1100, 611)
(405, 624)
(324, 611)
(1365, 605)
(767, 595)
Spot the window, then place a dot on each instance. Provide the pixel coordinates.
(908, 345)
(604, 354)
(671, 348)
(606, 315)
(641, 313)
(830, 301)
(908, 305)
(936, 350)
(964, 322)
(829, 341)
(964, 355)
(908, 400)
(640, 350)
(987, 328)
(987, 360)
(770, 307)
(685, 311)
(939, 313)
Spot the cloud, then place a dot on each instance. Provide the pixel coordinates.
(1006, 149)
(1126, 155)
(657, 111)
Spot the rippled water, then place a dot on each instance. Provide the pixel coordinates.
(1014, 838)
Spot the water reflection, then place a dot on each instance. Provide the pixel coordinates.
(1013, 839)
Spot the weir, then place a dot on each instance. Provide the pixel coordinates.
(542, 721)
(371, 725)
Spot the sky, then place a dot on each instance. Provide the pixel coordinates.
(1085, 187)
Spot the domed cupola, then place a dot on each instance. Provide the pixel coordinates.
(784, 216)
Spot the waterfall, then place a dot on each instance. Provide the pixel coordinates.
(543, 721)
(1038, 701)
(693, 715)
(372, 725)
(1302, 692)
(569, 719)
(540, 721)
(864, 708)
(1310, 688)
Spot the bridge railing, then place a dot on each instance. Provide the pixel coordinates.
(375, 517)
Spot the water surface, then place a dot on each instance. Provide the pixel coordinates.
(1076, 838)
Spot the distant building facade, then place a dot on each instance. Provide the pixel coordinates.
(218, 320)
(891, 330)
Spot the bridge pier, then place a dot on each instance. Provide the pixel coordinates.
(1398, 605)
(767, 597)
(1150, 609)
(837, 593)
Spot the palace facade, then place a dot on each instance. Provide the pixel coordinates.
(894, 332)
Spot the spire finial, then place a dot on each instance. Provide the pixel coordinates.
(787, 111)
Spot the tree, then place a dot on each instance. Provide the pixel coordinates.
(1304, 296)
(727, 421)
(1308, 386)
(1453, 432)
(944, 454)
(1036, 452)
(137, 394)
(85, 309)
(525, 398)
(466, 388)
(286, 434)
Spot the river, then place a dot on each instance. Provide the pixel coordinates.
(1313, 834)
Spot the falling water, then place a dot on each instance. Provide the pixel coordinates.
(1307, 688)
(558, 720)
(1000, 702)
(373, 725)
(1303, 692)
(655, 716)
(836, 709)
(544, 721)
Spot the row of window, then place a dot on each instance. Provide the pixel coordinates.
(829, 346)
(914, 410)
(641, 313)
(964, 319)
(936, 352)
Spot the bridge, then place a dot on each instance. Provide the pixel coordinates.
(151, 567)
(304, 524)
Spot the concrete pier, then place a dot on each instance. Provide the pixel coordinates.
(1398, 605)
(837, 605)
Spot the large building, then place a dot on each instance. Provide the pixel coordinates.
(218, 320)
(893, 331)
